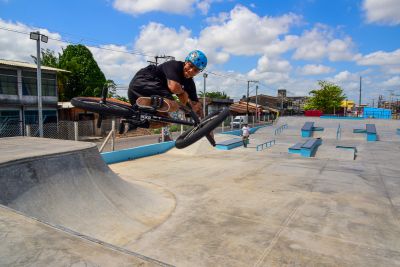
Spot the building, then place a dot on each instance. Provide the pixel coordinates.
(266, 101)
(288, 105)
(18, 96)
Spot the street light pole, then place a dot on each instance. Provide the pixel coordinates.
(39, 37)
(247, 109)
(205, 75)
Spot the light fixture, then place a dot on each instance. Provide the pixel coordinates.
(44, 38)
(34, 36)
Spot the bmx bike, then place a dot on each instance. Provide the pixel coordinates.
(140, 117)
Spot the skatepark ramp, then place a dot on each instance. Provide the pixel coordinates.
(67, 184)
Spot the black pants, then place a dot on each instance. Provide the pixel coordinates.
(245, 139)
(146, 83)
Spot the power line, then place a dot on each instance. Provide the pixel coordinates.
(95, 46)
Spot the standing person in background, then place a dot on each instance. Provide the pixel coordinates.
(245, 134)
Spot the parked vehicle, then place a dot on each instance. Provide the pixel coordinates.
(238, 121)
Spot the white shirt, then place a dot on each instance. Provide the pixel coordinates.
(245, 131)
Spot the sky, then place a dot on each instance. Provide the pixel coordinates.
(289, 44)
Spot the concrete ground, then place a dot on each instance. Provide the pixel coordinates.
(270, 208)
(205, 207)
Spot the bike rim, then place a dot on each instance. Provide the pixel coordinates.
(199, 126)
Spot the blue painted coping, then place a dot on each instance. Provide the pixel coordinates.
(306, 133)
(239, 132)
(398, 131)
(234, 132)
(341, 118)
(136, 152)
(229, 144)
(305, 152)
(294, 151)
(310, 152)
(371, 137)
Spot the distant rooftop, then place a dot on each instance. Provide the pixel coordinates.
(27, 65)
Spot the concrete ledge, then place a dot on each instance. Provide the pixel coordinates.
(136, 152)
(239, 132)
(229, 144)
(306, 149)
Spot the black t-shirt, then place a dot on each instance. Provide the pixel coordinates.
(173, 70)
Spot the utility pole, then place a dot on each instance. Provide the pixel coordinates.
(256, 103)
(205, 75)
(162, 56)
(248, 88)
(37, 36)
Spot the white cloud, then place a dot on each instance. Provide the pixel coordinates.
(243, 32)
(118, 66)
(380, 58)
(17, 46)
(204, 6)
(392, 82)
(14, 45)
(312, 69)
(320, 43)
(273, 65)
(136, 7)
(158, 39)
(382, 11)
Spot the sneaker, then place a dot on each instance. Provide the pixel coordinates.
(167, 105)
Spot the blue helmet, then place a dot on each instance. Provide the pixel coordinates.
(197, 58)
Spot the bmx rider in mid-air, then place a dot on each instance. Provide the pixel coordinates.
(154, 86)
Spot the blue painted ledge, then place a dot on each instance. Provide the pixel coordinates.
(239, 132)
(136, 152)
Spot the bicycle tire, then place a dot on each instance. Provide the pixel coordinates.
(208, 124)
(111, 107)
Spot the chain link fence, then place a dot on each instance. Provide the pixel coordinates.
(67, 130)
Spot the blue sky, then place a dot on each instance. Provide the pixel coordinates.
(283, 44)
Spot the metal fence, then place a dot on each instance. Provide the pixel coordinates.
(88, 131)
(67, 130)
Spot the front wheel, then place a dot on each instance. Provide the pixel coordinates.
(208, 124)
(111, 107)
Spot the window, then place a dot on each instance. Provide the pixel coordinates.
(29, 83)
(7, 115)
(31, 116)
(8, 82)
(49, 83)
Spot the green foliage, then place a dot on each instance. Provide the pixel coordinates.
(86, 78)
(217, 95)
(48, 58)
(327, 99)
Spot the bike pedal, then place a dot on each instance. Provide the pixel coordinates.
(156, 102)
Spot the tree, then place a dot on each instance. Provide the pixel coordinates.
(217, 95)
(327, 99)
(48, 58)
(86, 78)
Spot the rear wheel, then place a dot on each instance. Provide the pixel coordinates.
(95, 104)
(208, 124)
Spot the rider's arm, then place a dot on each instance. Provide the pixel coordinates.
(175, 87)
(197, 108)
(183, 97)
